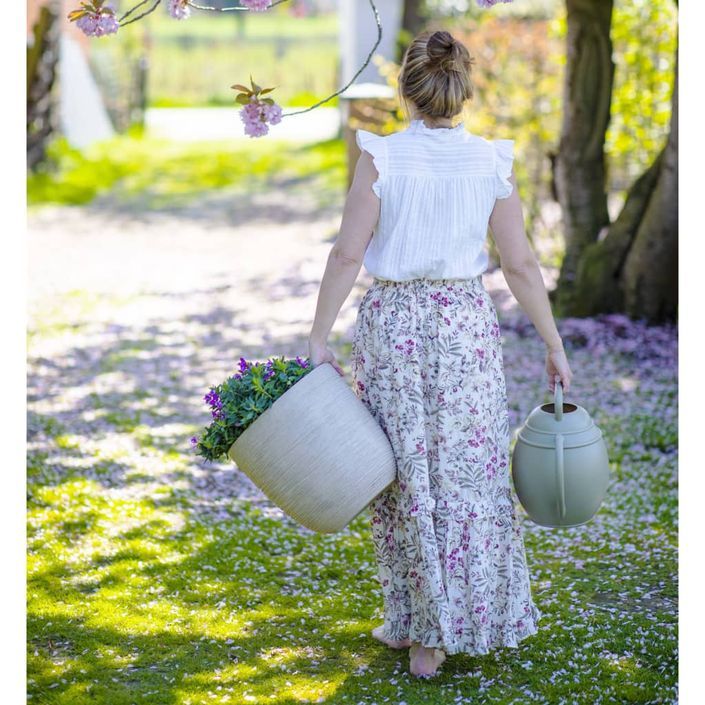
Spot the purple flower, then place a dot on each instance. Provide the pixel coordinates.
(303, 363)
(215, 402)
(178, 9)
(256, 5)
(212, 398)
(256, 114)
(98, 22)
(194, 441)
(243, 365)
(272, 113)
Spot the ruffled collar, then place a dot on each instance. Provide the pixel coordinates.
(419, 126)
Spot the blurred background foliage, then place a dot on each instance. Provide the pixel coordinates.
(193, 63)
(518, 75)
(149, 172)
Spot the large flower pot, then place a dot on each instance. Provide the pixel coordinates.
(317, 452)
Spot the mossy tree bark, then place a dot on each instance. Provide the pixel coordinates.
(579, 167)
(634, 269)
(649, 278)
(630, 265)
(413, 19)
(42, 62)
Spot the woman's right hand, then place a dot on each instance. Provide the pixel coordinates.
(557, 364)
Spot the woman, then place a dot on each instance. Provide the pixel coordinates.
(427, 361)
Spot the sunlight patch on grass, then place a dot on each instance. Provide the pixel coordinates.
(155, 579)
(157, 173)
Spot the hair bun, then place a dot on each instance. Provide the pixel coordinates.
(435, 75)
(442, 50)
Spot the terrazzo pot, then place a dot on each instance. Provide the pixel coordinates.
(317, 452)
(560, 466)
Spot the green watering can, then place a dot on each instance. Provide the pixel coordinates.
(560, 466)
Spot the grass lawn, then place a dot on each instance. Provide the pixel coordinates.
(152, 173)
(194, 62)
(172, 592)
(154, 578)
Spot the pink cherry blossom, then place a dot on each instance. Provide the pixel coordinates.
(179, 9)
(256, 114)
(256, 5)
(98, 23)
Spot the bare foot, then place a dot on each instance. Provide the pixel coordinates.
(424, 661)
(377, 633)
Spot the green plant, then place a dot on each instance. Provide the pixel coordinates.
(243, 398)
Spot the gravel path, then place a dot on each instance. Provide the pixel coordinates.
(133, 315)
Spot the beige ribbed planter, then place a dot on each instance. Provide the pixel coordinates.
(317, 452)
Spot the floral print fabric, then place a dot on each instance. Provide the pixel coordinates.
(427, 362)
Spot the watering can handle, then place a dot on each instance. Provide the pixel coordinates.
(558, 400)
(560, 475)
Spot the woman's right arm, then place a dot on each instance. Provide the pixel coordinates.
(523, 275)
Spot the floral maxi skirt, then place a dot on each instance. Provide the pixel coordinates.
(427, 362)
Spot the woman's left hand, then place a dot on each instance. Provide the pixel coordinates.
(320, 352)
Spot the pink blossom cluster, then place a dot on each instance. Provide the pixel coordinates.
(179, 9)
(612, 332)
(98, 23)
(256, 114)
(256, 5)
(298, 9)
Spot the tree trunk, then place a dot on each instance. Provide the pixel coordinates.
(634, 269)
(650, 278)
(413, 20)
(580, 162)
(42, 61)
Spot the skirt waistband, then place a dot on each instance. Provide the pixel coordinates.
(425, 281)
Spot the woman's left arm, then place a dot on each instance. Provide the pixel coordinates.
(360, 215)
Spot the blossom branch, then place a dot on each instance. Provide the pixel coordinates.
(139, 17)
(96, 18)
(129, 12)
(359, 71)
(230, 9)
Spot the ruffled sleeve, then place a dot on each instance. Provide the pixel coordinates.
(377, 147)
(504, 158)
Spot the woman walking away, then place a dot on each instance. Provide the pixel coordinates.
(427, 361)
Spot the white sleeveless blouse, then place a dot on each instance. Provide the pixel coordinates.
(437, 188)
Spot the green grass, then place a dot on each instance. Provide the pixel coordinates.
(129, 602)
(135, 598)
(153, 173)
(203, 73)
(146, 586)
(194, 62)
(273, 24)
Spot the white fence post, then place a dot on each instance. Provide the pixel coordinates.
(358, 34)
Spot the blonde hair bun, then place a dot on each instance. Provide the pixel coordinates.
(435, 75)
